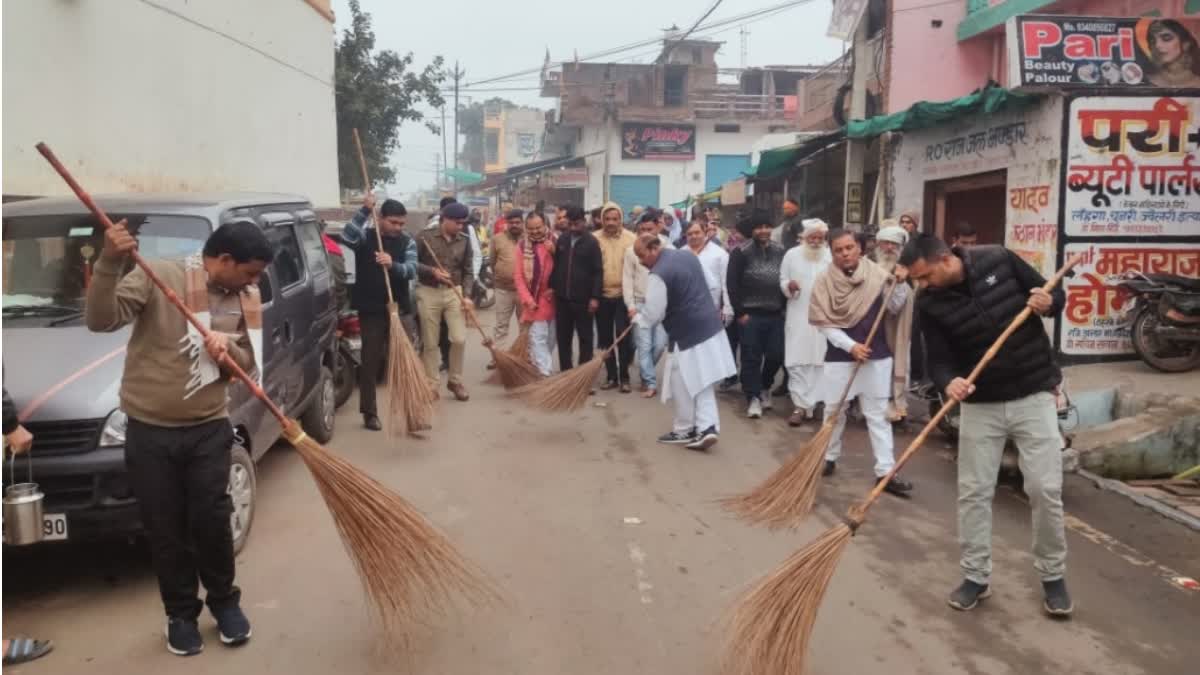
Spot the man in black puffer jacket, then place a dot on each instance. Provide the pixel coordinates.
(971, 297)
(758, 305)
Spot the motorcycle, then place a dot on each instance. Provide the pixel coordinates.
(484, 293)
(1163, 318)
(347, 357)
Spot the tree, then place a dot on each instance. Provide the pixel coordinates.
(376, 92)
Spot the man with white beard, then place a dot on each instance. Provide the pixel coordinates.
(889, 242)
(804, 345)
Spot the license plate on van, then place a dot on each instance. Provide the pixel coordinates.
(54, 526)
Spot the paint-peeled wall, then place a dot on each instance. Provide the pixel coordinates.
(167, 95)
(677, 179)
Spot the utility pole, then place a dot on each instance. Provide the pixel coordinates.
(458, 75)
(745, 34)
(437, 172)
(443, 164)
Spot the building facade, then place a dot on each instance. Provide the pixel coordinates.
(169, 95)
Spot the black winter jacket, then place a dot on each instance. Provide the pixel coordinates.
(578, 273)
(753, 279)
(959, 328)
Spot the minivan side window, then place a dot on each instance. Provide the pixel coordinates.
(288, 265)
(314, 248)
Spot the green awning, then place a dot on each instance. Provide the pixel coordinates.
(463, 176)
(924, 114)
(780, 161)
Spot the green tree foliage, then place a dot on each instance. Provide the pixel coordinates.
(376, 92)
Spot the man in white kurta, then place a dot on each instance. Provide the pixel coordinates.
(714, 259)
(804, 345)
(847, 299)
(699, 357)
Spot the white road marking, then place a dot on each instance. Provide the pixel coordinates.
(638, 556)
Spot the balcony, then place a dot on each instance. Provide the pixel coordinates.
(731, 105)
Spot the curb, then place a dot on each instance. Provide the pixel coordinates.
(1142, 500)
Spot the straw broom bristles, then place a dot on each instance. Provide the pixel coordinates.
(772, 625)
(519, 350)
(567, 391)
(787, 496)
(408, 568)
(410, 396)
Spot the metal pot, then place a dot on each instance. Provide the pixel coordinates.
(22, 509)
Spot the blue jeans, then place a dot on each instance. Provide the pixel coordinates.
(762, 353)
(651, 342)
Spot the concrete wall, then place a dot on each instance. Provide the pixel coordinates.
(160, 95)
(518, 122)
(677, 179)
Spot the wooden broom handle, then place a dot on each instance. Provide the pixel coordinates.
(859, 510)
(885, 296)
(171, 296)
(362, 165)
(470, 313)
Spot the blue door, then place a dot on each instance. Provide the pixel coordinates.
(631, 191)
(720, 169)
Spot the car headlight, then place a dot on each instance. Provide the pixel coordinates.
(113, 435)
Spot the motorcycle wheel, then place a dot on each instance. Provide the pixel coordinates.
(345, 377)
(1168, 357)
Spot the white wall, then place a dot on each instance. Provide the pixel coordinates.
(158, 95)
(677, 179)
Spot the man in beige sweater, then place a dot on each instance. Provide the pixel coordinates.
(504, 256)
(612, 316)
(178, 440)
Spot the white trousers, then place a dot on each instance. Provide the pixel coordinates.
(697, 412)
(874, 408)
(541, 345)
(803, 385)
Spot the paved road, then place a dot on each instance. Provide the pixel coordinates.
(544, 504)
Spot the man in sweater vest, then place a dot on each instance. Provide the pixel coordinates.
(178, 441)
(370, 294)
(677, 295)
(504, 256)
(970, 297)
(846, 299)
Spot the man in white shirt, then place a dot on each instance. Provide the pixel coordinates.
(804, 345)
(651, 338)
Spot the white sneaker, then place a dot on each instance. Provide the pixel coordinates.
(755, 410)
(767, 404)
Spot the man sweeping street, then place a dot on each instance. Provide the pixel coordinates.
(436, 299)
(971, 295)
(178, 441)
(677, 295)
(804, 345)
(370, 294)
(845, 302)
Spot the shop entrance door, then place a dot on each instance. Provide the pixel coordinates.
(978, 200)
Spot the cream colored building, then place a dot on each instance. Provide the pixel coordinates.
(168, 95)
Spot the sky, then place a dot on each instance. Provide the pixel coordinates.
(492, 39)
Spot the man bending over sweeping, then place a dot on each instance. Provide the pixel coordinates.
(677, 295)
(178, 440)
(970, 296)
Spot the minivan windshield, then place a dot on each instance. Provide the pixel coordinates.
(48, 260)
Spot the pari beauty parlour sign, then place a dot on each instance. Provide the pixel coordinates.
(641, 140)
(1058, 52)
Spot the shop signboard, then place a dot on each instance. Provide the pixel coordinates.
(642, 140)
(1131, 166)
(1063, 52)
(1094, 320)
(567, 178)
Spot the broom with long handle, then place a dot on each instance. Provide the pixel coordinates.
(410, 394)
(787, 496)
(407, 567)
(772, 624)
(568, 391)
(513, 371)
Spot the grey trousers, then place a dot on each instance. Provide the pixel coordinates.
(1032, 423)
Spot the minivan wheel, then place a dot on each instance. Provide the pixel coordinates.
(318, 419)
(242, 489)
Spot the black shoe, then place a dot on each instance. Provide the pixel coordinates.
(372, 422)
(897, 486)
(830, 468)
(704, 440)
(183, 637)
(1058, 601)
(967, 596)
(444, 367)
(233, 625)
(676, 438)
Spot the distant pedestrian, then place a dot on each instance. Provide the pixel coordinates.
(970, 297)
(758, 304)
(531, 274)
(677, 295)
(789, 232)
(576, 280)
(964, 236)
